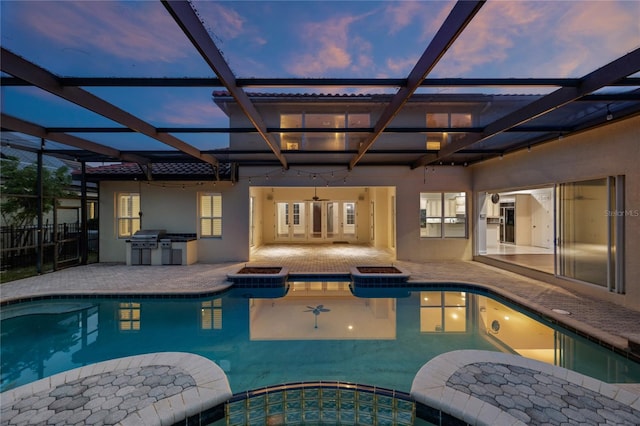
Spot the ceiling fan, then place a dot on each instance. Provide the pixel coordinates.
(315, 196)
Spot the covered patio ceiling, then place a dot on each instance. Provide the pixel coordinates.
(34, 82)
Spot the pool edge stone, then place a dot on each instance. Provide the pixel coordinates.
(210, 387)
(430, 387)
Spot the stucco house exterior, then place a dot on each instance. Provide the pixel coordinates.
(589, 181)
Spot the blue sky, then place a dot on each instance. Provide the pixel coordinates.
(293, 39)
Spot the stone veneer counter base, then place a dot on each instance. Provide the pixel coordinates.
(154, 389)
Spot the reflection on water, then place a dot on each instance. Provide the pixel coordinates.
(317, 331)
(322, 311)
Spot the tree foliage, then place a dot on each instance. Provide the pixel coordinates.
(19, 190)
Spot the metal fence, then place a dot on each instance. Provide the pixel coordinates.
(61, 245)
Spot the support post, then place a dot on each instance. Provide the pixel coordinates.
(39, 207)
(84, 229)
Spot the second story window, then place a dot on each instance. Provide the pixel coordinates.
(291, 141)
(445, 120)
(324, 140)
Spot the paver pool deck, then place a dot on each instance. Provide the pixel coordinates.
(608, 323)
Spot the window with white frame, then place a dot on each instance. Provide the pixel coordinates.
(210, 215)
(443, 215)
(296, 213)
(350, 209)
(128, 218)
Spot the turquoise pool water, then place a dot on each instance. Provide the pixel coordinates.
(318, 331)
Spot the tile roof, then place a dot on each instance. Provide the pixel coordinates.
(169, 171)
(223, 93)
(420, 97)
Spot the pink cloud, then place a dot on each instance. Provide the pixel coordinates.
(222, 21)
(559, 39)
(260, 41)
(595, 33)
(490, 36)
(189, 113)
(363, 59)
(329, 45)
(401, 66)
(428, 14)
(146, 34)
(401, 14)
(328, 57)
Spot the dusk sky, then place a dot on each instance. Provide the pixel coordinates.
(292, 39)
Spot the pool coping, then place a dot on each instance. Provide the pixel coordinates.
(432, 386)
(62, 394)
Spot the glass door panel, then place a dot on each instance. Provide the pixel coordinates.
(290, 221)
(299, 223)
(349, 219)
(316, 220)
(327, 220)
(282, 221)
(251, 221)
(583, 231)
(332, 211)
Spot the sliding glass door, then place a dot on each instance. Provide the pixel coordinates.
(586, 231)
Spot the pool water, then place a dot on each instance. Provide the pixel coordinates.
(318, 331)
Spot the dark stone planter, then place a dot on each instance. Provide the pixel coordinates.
(377, 276)
(260, 276)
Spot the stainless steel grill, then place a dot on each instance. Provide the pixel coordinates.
(147, 238)
(157, 247)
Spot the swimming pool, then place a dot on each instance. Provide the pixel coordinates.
(317, 331)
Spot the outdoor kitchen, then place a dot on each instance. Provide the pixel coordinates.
(157, 247)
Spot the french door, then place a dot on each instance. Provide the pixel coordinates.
(291, 221)
(318, 221)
